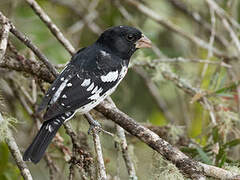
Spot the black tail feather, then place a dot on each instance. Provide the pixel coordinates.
(40, 143)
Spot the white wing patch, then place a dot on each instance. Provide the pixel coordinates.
(86, 82)
(96, 94)
(90, 87)
(94, 90)
(104, 53)
(69, 84)
(110, 77)
(96, 98)
(58, 92)
(49, 128)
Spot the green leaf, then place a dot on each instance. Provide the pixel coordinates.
(204, 156)
(232, 143)
(227, 88)
(223, 159)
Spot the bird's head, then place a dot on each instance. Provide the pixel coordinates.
(123, 40)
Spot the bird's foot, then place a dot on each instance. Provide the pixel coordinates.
(94, 125)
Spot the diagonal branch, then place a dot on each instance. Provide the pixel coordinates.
(190, 167)
(52, 27)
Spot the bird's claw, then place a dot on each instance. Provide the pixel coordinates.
(94, 126)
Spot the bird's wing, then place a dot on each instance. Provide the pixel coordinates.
(69, 70)
(83, 86)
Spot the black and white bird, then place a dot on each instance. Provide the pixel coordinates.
(92, 74)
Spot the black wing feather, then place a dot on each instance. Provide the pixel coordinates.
(69, 71)
(77, 95)
(86, 64)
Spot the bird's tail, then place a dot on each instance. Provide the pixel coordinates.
(40, 143)
(44, 137)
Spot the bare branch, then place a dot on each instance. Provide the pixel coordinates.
(98, 149)
(4, 38)
(86, 19)
(124, 147)
(219, 172)
(232, 34)
(24, 39)
(125, 153)
(185, 164)
(28, 66)
(52, 27)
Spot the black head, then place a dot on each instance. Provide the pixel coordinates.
(123, 40)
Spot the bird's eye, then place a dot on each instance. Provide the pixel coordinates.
(130, 37)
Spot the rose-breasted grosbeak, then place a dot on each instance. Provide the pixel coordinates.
(92, 74)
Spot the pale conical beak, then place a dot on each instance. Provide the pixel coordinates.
(143, 42)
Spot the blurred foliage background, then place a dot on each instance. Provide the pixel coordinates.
(206, 131)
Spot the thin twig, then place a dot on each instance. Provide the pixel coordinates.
(125, 153)
(98, 149)
(51, 26)
(52, 167)
(213, 31)
(12, 145)
(124, 147)
(28, 66)
(4, 38)
(78, 11)
(232, 34)
(89, 18)
(80, 156)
